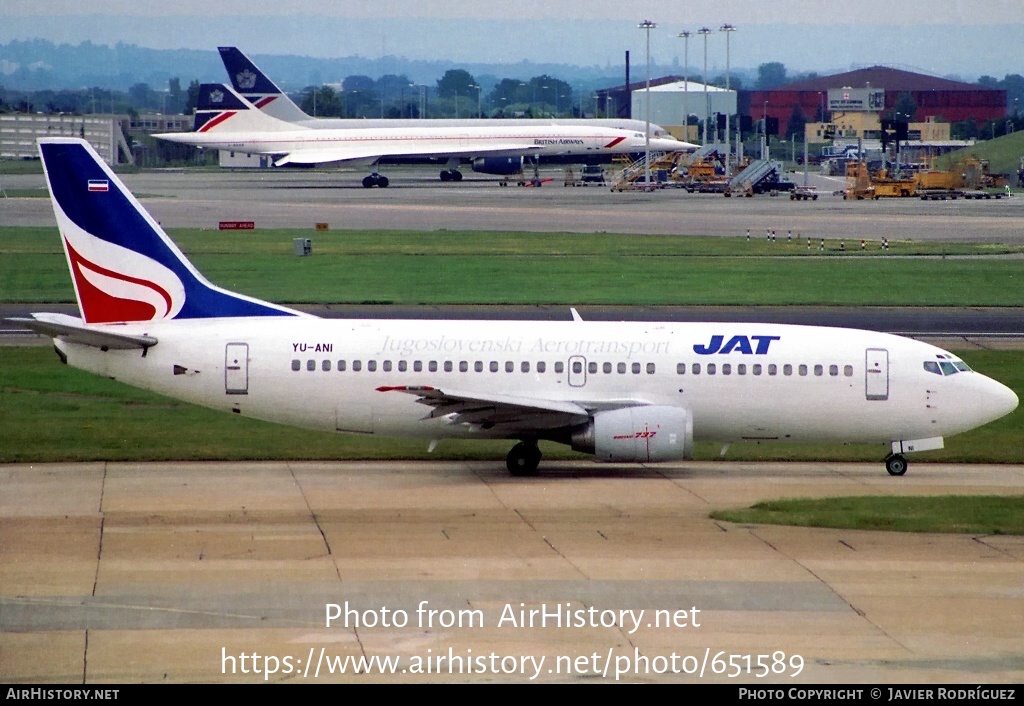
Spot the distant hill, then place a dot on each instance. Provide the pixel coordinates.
(38, 64)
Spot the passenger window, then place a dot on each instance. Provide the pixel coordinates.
(802, 370)
(621, 368)
(447, 366)
(680, 368)
(310, 365)
(848, 371)
(357, 365)
(417, 366)
(509, 366)
(559, 367)
(636, 368)
(695, 368)
(463, 366)
(478, 366)
(773, 369)
(833, 370)
(650, 368)
(525, 366)
(591, 368)
(577, 367)
(726, 369)
(787, 369)
(606, 368)
(741, 369)
(296, 364)
(756, 369)
(712, 368)
(432, 366)
(371, 366)
(386, 366)
(326, 366)
(541, 366)
(341, 366)
(493, 367)
(403, 366)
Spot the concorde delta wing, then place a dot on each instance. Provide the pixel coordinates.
(368, 149)
(514, 414)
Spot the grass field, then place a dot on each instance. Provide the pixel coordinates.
(448, 267)
(972, 514)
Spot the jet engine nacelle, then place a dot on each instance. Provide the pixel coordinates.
(503, 166)
(637, 434)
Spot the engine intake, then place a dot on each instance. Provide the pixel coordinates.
(637, 434)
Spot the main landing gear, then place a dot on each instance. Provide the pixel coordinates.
(523, 459)
(375, 179)
(895, 464)
(451, 175)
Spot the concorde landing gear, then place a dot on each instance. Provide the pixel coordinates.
(375, 179)
(451, 175)
(523, 459)
(895, 464)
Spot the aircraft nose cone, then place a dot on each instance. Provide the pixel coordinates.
(1006, 400)
(999, 400)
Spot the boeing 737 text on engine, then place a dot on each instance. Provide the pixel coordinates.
(625, 392)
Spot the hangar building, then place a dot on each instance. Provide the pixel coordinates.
(935, 97)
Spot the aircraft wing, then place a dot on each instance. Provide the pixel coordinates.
(488, 411)
(74, 330)
(364, 150)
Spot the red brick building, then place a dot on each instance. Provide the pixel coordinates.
(935, 97)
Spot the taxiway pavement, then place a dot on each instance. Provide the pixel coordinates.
(170, 572)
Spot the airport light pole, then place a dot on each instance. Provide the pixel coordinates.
(685, 36)
(707, 109)
(647, 25)
(728, 29)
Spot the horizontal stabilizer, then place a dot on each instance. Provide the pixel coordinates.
(74, 330)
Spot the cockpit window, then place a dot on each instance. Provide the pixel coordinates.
(962, 366)
(948, 368)
(932, 367)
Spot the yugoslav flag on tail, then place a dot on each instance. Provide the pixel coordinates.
(123, 266)
(254, 85)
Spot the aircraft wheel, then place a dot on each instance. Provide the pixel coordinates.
(456, 175)
(369, 182)
(382, 182)
(445, 175)
(896, 465)
(523, 459)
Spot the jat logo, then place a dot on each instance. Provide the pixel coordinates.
(736, 344)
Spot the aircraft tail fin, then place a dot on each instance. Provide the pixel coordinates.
(220, 109)
(257, 88)
(123, 266)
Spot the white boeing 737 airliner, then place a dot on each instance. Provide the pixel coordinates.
(625, 392)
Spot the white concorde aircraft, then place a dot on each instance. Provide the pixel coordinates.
(256, 87)
(225, 120)
(625, 392)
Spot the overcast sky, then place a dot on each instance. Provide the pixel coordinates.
(942, 37)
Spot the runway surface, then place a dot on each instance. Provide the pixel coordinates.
(418, 201)
(171, 572)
